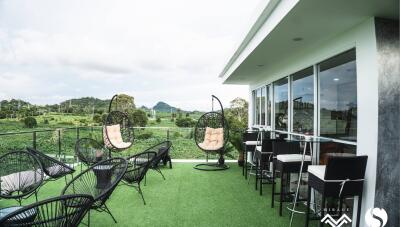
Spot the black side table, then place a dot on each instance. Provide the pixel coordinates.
(103, 174)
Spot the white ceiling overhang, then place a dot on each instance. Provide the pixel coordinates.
(272, 36)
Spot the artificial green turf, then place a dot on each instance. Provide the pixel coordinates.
(187, 197)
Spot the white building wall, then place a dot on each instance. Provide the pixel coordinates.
(362, 37)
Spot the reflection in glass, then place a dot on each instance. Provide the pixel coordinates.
(254, 107)
(281, 104)
(262, 106)
(333, 149)
(303, 101)
(338, 97)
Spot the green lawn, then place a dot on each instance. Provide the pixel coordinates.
(187, 197)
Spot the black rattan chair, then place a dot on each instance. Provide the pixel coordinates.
(20, 175)
(63, 211)
(99, 181)
(118, 133)
(342, 177)
(89, 151)
(162, 149)
(138, 165)
(208, 125)
(249, 146)
(53, 168)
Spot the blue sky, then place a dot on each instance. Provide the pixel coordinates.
(168, 51)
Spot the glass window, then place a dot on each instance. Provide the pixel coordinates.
(338, 97)
(268, 98)
(303, 101)
(262, 106)
(257, 103)
(254, 107)
(281, 104)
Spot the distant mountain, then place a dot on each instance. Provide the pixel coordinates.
(164, 107)
(145, 108)
(86, 104)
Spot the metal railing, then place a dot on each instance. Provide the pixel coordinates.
(61, 141)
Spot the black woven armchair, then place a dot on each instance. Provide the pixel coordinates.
(89, 151)
(53, 168)
(20, 175)
(63, 211)
(99, 181)
(162, 149)
(138, 165)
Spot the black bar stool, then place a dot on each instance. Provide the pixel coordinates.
(265, 158)
(249, 145)
(288, 160)
(342, 177)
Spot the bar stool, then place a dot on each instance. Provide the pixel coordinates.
(249, 145)
(342, 177)
(288, 160)
(265, 158)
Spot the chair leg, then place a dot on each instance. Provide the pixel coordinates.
(159, 171)
(248, 174)
(141, 194)
(308, 206)
(257, 171)
(244, 161)
(273, 187)
(261, 180)
(170, 162)
(281, 196)
(109, 212)
(88, 218)
(245, 166)
(359, 210)
(322, 209)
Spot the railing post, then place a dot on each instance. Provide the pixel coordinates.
(168, 134)
(77, 133)
(59, 143)
(34, 140)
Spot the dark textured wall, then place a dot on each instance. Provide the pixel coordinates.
(388, 162)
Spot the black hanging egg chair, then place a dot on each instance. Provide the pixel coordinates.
(211, 135)
(117, 127)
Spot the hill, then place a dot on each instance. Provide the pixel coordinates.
(164, 107)
(14, 104)
(86, 104)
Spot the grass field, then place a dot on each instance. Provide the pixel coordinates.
(187, 197)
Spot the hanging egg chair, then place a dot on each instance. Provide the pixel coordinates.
(117, 128)
(211, 135)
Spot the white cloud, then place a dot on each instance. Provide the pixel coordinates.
(155, 50)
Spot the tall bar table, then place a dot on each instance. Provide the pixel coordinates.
(308, 142)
